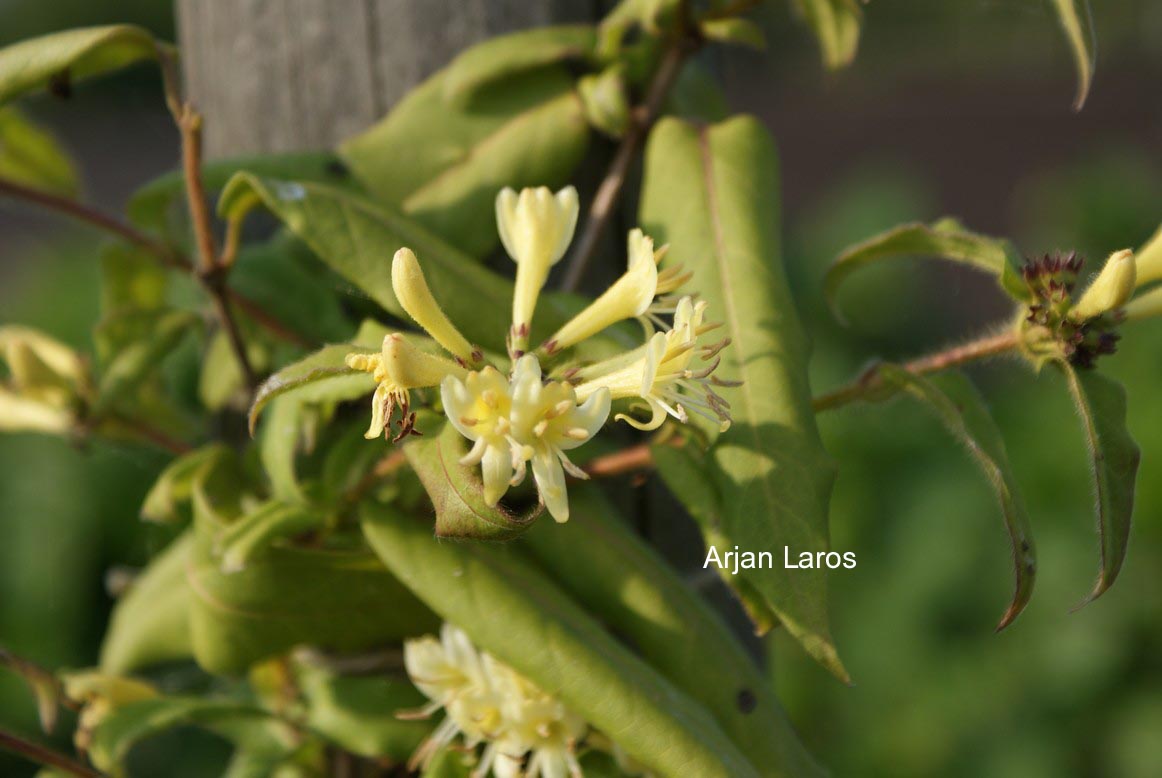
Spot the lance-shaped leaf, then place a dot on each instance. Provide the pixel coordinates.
(151, 622)
(711, 192)
(517, 52)
(335, 597)
(961, 409)
(60, 59)
(598, 560)
(1077, 23)
(323, 375)
(442, 163)
(31, 156)
(456, 490)
(516, 613)
(836, 27)
(945, 239)
(358, 712)
(1101, 402)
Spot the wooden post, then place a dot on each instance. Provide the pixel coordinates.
(284, 75)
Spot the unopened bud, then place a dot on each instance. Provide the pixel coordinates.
(1110, 290)
(411, 289)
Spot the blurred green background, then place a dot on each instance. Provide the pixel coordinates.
(950, 108)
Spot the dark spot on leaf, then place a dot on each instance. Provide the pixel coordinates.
(747, 701)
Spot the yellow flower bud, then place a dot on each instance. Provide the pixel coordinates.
(1110, 290)
(411, 289)
(1149, 260)
(409, 368)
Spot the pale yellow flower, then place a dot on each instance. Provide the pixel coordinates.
(411, 289)
(1111, 289)
(47, 382)
(478, 406)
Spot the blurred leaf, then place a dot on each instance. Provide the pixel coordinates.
(278, 448)
(325, 372)
(153, 204)
(697, 95)
(442, 164)
(243, 540)
(712, 193)
(339, 598)
(507, 55)
(60, 59)
(1101, 402)
(961, 409)
(456, 490)
(137, 361)
(31, 156)
(1077, 22)
(448, 762)
(944, 239)
(604, 100)
(358, 713)
(44, 686)
(516, 613)
(735, 30)
(175, 486)
(836, 26)
(151, 622)
(602, 564)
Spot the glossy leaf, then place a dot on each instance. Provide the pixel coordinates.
(358, 713)
(512, 610)
(945, 239)
(151, 622)
(836, 26)
(616, 575)
(711, 192)
(1077, 23)
(506, 55)
(31, 156)
(60, 59)
(443, 163)
(1101, 403)
(338, 598)
(456, 490)
(961, 409)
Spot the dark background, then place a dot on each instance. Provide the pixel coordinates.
(950, 108)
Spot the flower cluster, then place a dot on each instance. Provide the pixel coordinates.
(520, 416)
(526, 732)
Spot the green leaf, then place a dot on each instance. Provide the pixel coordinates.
(443, 164)
(358, 713)
(31, 156)
(175, 486)
(448, 762)
(1077, 22)
(139, 360)
(323, 375)
(335, 597)
(60, 59)
(961, 409)
(711, 192)
(134, 722)
(516, 613)
(945, 239)
(244, 540)
(158, 203)
(456, 490)
(836, 26)
(1101, 402)
(507, 55)
(605, 101)
(602, 564)
(151, 622)
(736, 30)
(278, 448)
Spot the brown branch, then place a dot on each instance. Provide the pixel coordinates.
(44, 755)
(641, 120)
(152, 435)
(933, 363)
(627, 460)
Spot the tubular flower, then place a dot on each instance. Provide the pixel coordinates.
(527, 733)
(398, 367)
(1111, 289)
(535, 227)
(478, 407)
(661, 373)
(411, 289)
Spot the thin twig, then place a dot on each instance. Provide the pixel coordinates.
(153, 435)
(642, 119)
(91, 216)
(627, 460)
(44, 755)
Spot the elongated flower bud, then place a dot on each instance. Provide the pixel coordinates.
(1149, 260)
(1110, 290)
(411, 289)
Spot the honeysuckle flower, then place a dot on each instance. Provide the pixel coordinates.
(660, 373)
(47, 381)
(526, 732)
(1111, 289)
(535, 227)
(1149, 259)
(629, 296)
(411, 289)
(398, 367)
(547, 421)
(478, 407)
